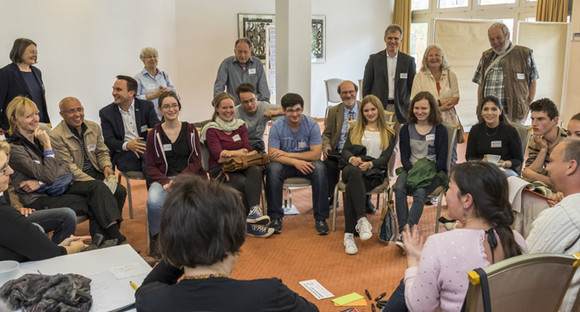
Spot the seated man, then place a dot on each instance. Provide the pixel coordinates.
(546, 135)
(295, 145)
(80, 143)
(574, 127)
(125, 123)
(256, 114)
(557, 229)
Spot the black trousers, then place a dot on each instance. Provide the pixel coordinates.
(248, 182)
(120, 193)
(355, 198)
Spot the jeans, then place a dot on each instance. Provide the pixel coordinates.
(277, 172)
(404, 216)
(155, 198)
(396, 302)
(63, 221)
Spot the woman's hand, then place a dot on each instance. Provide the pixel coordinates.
(43, 137)
(364, 166)
(30, 186)
(414, 242)
(168, 186)
(355, 161)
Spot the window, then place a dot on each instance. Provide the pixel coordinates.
(447, 4)
(491, 2)
(419, 40)
(419, 5)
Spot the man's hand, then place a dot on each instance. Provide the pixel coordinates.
(26, 211)
(107, 171)
(540, 141)
(167, 186)
(303, 166)
(325, 153)
(556, 199)
(279, 153)
(29, 185)
(136, 147)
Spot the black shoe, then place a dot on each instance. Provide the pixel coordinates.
(321, 227)
(371, 209)
(445, 220)
(431, 201)
(276, 224)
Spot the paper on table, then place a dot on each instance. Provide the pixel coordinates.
(361, 302)
(317, 290)
(128, 270)
(106, 300)
(346, 299)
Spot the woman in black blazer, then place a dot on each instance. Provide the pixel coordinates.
(21, 78)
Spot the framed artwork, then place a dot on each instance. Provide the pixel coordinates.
(253, 27)
(318, 46)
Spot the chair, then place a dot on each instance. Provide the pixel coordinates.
(360, 88)
(525, 132)
(294, 182)
(440, 191)
(533, 282)
(130, 175)
(331, 95)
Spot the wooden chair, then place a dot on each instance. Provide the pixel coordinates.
(533, 282)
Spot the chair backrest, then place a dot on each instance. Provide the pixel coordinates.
(451, 136)
(205, 157)
(360, 85)
(331, 95)
(533, 282)
(525, 132)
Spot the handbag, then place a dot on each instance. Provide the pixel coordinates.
(388, 229)
(243, 162)
(59, 186)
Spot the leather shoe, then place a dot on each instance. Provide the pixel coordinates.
(371, 209)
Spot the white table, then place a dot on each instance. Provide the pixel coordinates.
(110, 270)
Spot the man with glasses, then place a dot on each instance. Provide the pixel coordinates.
(295, 145)
(80, 143)
(256, 114)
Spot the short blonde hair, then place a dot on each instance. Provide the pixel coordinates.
(5, 147)
(147, 50)
(18, 107)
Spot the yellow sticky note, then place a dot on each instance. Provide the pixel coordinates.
(346, 299)
(360, 302)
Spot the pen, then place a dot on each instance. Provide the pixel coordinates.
(368, 294)
(373, 307)
(380, 296)
(133, 285)
(347, 310)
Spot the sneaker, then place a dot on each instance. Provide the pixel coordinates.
(321, 227)
(350, 245)
(276, 224)
(364, 228)
(257, 230)
(255, 216)
(400, 243)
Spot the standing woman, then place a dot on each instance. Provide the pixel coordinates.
(494, 135)
(226, 137)
(21, 78)
(437, 78)
(173, 148)
(422, 137)
(365, 156)
(151, 80)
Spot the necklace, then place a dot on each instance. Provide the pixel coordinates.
(202, 276)
(492, 133)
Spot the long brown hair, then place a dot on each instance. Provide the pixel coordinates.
(358, 129)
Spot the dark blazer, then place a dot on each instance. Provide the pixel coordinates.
(114, 132)
(12, 84)
(375, 81)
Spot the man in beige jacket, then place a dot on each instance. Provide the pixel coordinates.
(80, 143)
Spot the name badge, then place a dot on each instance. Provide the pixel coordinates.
(144, 128)
(495, 144)
(403, 76)
(236, 138)
(301, 144)
(91, 147)
(151, 87)
(252, 71)
(167, 147)
(430, 137)
(521, 76)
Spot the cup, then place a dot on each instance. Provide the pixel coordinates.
(494, 159)
(8, 271)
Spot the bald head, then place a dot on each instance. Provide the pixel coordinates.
(564, 167)
(72, 112)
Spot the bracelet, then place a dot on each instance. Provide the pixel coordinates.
(48, 153)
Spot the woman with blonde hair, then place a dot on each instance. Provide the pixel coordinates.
(364, 159)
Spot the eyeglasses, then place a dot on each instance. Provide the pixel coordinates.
(167, 106)
(4, 169)
(74, 110)
(252, 100)
(291, 111)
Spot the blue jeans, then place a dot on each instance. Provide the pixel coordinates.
(155, 199)
(396, 302)
(277, 172)
(63, 221)
(404, 216)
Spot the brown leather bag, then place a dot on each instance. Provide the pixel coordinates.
(242, 163)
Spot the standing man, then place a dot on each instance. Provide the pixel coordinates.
(125, 123)
(335, 128)
(80, 143)
(557, 229)
(295, 146)
(389, 75)
(256, 114)
(240, 68)
(507, 71)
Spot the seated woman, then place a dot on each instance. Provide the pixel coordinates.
(436, 278)
(172, 148)
(20, 239)
(226, 137)
(494, 135)
(365, 156)
(422, 140)
(202, 230)
(43, 181)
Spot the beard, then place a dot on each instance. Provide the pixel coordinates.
(503, 47)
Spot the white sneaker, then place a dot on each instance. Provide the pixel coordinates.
(364, 228)
(350, 245)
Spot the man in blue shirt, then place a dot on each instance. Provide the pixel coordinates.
(295, 145)
(240, 68)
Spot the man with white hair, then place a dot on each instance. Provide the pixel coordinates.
(507, 71)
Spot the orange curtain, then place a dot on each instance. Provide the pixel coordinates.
(402, 17)
(551, 10)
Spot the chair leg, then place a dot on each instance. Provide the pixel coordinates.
(128, 193)
(335, 207)
(264, 203)
(439, 199)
